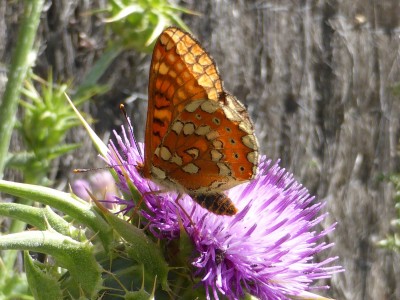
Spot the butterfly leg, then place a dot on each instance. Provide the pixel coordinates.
(183, 209)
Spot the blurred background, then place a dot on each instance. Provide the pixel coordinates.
(319, 78)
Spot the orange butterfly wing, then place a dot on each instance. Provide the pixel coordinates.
(205, 151)
(180, 71)
(199, 139)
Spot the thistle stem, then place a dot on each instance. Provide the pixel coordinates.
(20, 63)
(19, 66)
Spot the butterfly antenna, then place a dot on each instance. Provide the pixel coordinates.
(91, 169)
(123, 110)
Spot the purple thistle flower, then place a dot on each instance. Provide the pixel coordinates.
(80, 188)
(162, 208)
(267, 249)
(100, 184)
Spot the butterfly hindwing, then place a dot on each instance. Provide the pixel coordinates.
(205, 151)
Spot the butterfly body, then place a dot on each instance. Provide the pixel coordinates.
(199, 139)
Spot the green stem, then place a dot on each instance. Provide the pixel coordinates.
(75, 256)
(20, 64)
(41, 218)
(65, 202)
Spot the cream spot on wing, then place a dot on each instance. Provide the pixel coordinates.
(202, 130)
(191, 107)
(158, 173)
(212, 94)
(205, 81)
(189, 58)
(217, 144)
(212, 135)
(165, 153)
(181, 49)
(176, 159)
(254, 171)
(224, 170)
(235, 104)
(209, 106)
(193, 152)
(157, 152)
(191, 168)
(212, 72)
(204, 60)
(252, 157)
(216, 155)
(197, 50)
(197, 69)
(250, 141)
(177, 127)
(188, 128)
(246, 127)
(220, 186)
(230, 114)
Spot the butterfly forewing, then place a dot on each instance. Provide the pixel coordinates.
(180, 71)
(199, 139)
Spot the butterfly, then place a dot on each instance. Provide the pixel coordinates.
(199, 139)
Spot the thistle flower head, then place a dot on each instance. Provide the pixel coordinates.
(267, 249)
(100, 184)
